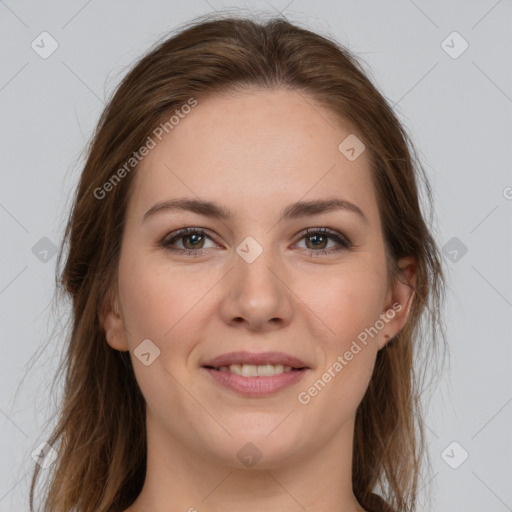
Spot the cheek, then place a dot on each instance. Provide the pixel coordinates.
(152, 302)
(346, 301)
(349, 305)
(144, 307)
(165, 305)
(155, 308)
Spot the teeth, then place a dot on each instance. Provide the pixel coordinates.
(252, 370)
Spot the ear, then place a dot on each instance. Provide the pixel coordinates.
(112, 322)
(399, 300)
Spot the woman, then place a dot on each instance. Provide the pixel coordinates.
(248, 265)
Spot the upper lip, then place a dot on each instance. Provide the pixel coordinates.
(255, 358)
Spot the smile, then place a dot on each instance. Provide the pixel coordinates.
(252, 370)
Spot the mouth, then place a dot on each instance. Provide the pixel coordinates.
(256, 374)
(252, 370)
(247, 363)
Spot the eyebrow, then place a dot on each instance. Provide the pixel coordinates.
(292, 211)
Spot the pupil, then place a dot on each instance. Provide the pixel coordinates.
(316, 237)
(195, 237)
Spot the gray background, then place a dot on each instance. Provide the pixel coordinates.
(458, 111)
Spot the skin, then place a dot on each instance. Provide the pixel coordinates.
(254, 152)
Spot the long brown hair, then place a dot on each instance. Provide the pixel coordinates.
(99, 434)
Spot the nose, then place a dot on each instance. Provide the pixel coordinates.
(257, 296)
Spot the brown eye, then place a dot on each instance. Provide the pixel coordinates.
(318, 241)
(192, 240)
(318, 238)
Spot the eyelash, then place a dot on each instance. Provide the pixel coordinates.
(344, 242)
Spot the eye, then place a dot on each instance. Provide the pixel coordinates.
(317, 238)
(193, 239)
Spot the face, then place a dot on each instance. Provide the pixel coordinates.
(307, 282)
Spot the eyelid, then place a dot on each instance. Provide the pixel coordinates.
(180, 233)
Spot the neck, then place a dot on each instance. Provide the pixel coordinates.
(182, 477)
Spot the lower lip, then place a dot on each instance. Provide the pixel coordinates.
(256, 386)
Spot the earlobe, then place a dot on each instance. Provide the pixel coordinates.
(399, 300)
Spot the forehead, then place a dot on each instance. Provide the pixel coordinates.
(254, 149)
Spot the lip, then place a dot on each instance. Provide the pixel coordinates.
(256, 386)
(261, 358)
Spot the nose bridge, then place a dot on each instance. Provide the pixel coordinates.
(255, 264)
(257, 293)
